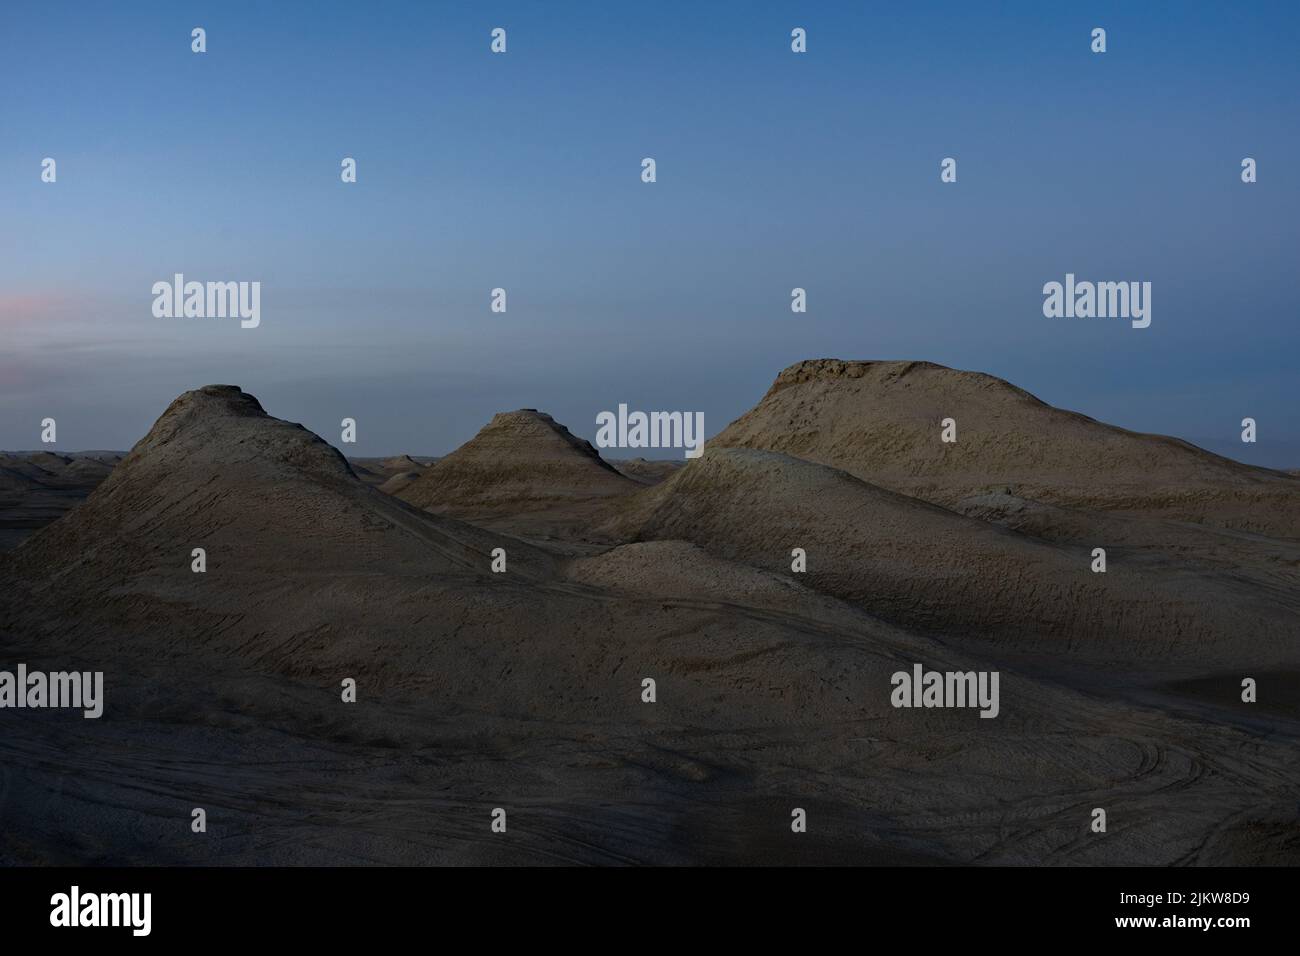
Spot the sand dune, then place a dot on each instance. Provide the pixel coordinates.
(399, 482)
(381, 471)
(523, 473)
(292, 540)
(880, 421)
(1021, 464)
(518, 457)
(401, 463)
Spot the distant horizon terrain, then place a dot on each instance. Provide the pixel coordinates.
(1264, 452)
(1287, 458)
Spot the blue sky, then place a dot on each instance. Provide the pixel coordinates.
(522, 171)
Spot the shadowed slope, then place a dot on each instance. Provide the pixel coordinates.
(920, 565)
(37, 488)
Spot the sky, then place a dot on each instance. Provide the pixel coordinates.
(522, 171)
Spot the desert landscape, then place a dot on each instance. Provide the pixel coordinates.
(480, 687)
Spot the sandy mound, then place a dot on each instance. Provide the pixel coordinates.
(881, 421)
(379, 471)
(646, 471)
(289, 533)
(518, 458)
(925, 567)
(400, 463)
(399, 481)
(215, 452)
